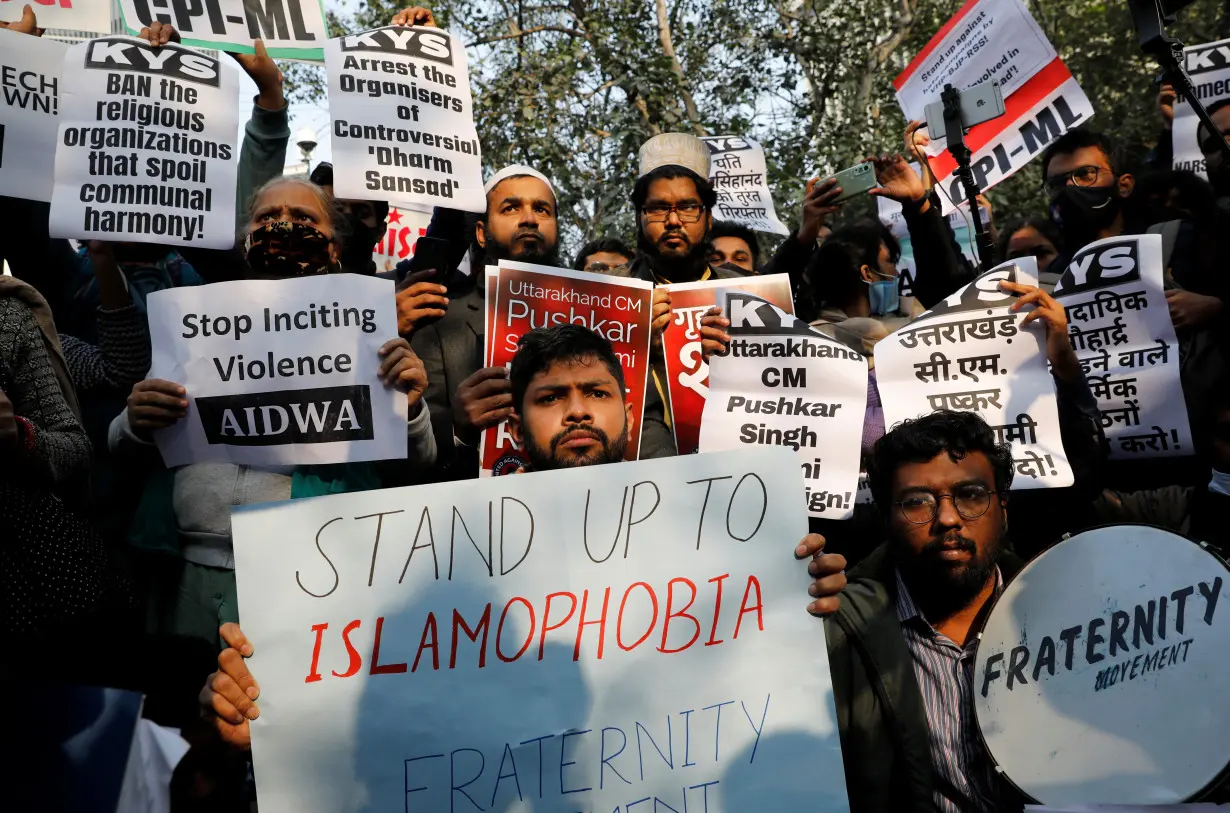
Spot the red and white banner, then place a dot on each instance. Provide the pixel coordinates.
(687, 372)
(404, 228)
(994, 40)
(529, 296)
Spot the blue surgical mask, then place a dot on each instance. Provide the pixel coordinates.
(884, 296)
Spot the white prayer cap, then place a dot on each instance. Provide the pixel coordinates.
(679, 149)
(513, 171)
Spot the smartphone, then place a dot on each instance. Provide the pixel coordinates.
(854, 181)
(980, 103)
(430, 252)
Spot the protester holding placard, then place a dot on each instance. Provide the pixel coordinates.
(292, 232)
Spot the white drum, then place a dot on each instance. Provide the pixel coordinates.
(1103, 673)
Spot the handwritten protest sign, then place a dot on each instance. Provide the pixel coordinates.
(994, 40)
(403, 119)
(813, 402)
(687, 372)
(279, 371)
(969, 353)
(542, 650)
(1121, 330)
(291, 29)
(1099, 673)
(74, 15)
(739, 175)
(1209, 67)
(529, 296)
(146, 149)
(30, 83)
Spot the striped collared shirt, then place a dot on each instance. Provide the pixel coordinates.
(964, 779)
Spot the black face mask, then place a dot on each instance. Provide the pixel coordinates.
(1082, 211)
(359, 245)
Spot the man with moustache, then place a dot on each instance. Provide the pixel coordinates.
(466, 396)
(901, 644)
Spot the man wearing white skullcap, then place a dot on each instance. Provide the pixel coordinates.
(464, 395)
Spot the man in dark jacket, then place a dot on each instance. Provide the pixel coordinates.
(902, 641)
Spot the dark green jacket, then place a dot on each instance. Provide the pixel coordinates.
(880, 711)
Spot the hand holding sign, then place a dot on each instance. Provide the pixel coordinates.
(715, 341)
(155, 404)
(661, 316)
(483, 400)
(1064, 363)
(420, 302)
(229, 695)
(402, 369)
(28, 24)
(415, 15)
(159, 34)
(1192, 311)
(829, 572)
(261, 68)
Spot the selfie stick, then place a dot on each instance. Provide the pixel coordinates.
(954, 131)
(1150, 18)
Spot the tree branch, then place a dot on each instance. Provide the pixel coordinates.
(880, 53)
(535, 29)
(668, 48)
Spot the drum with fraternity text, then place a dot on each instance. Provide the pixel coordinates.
(1100, 677)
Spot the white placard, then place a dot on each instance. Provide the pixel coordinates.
(402, 119)
(72, 15)
(1099, 674)
(30, 83)
(1121, 330)
(739, 175)
(280, 372)
(994, 40)
(813, 401)
(1209, 67)
(146, 150)
(291, 29)
(970, 354)
(514, 641)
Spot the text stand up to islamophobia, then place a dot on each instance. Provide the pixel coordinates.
(146, 148)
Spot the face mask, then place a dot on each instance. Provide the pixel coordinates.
(1081, 212)
(359, 244)
(883, 295)
(282, 249)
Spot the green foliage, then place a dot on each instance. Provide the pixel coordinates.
(574, 87)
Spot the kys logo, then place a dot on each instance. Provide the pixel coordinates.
(1101, 265)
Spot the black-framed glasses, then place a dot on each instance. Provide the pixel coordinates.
(599, 267)
(971, 502)
(687, 212)
(1088, 175)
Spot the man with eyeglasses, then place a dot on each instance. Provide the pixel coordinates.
(901, 644)
(606, 255)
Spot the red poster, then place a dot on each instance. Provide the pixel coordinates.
(686, 370)
(529, 296)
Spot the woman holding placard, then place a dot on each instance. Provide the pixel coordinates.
(293, 231)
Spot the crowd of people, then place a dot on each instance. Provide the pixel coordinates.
(119, 571)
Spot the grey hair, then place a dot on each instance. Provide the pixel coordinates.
(328, 204)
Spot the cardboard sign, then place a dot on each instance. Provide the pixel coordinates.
(529, 296)
(93, 16)
(513, 643)
(970, 354)
(291, 29)
(1099, 674)
(784, 383)
(1120, 327)
(687, 372)
(994, 40)
(30, 70)
(402, 119)
(1208, 65)
(739, 175)
(279, 372)
(146, 149)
